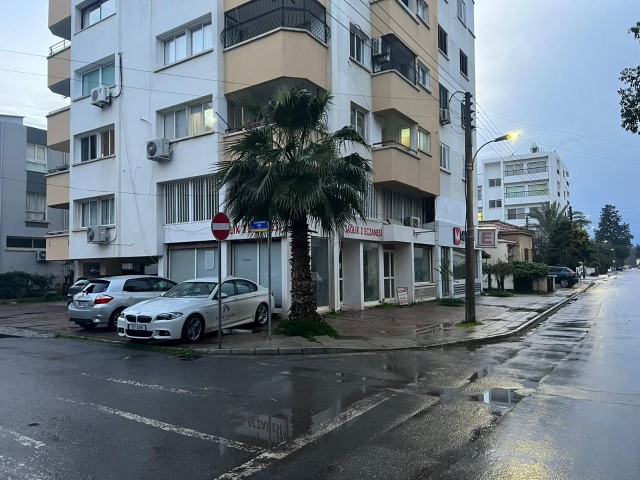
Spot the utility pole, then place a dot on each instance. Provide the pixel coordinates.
(470, 260)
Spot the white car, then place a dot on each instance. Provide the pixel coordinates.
(190, 309)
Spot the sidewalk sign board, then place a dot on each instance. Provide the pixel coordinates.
(403, 296)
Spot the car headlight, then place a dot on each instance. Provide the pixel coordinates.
(121, 315)
(169, 316)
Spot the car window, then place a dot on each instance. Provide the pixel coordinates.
(80, 283)
(97, 286)
(191, 289)
(137, 285)
(229, 288)
(162, 284)
(244, 286)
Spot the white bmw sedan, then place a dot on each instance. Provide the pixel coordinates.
(190, 309)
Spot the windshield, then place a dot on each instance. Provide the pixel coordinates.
(191, 289)
(96, 286)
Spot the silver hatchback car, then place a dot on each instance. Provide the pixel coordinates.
(102, 300)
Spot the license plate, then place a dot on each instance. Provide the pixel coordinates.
(136, 326)
(82, 303)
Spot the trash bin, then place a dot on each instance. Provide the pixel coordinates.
(551, 283)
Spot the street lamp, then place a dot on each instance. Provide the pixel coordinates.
(470, 264)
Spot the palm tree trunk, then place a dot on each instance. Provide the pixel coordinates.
(303, 298)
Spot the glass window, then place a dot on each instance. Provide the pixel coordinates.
(161, 284)
(444, 96)
(495, 203)
(424, 75)
(516, 191)
(36, 158)
(36, 207)
(371, 271)
(229, 289)
(462, 11)
(97, 212)
(97, 11)
(320, 270)
(405, 137)
(424, 141)
(244, 287)
(459, 266)
(138, 285)
(358, 121)
(188, 42)
(443, 45)
(423, 11)
(464, 64)
(495, 182)
(90, 81)
(422, 264)
(358, 42)
(97, 145)
(189, 120)
(444, 156)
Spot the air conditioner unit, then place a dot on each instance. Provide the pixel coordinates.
(413, 222)
(101, 96)
(97, 234)
(445, 116)
(158, 150)
(379, 50)
(41, 256)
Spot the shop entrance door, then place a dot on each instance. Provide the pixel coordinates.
(389, 274)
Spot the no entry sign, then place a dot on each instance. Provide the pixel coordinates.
(220, 226)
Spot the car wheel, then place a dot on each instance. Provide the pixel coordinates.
(564, 283)
(262, 315)
(192, 329)
(88, 325)
(113, 319)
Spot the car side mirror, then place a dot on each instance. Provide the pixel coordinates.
(222, 295)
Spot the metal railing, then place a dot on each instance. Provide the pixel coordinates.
(394, 144)
(531, 193)
(395, 56)
(58, 47)
(246, 126)
(261, 16)
(525, 171)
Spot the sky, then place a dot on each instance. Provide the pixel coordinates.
(547, 68)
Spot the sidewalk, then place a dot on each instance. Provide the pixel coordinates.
(377, 329)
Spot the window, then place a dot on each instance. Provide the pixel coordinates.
(444, 156)
(443, 41)
(105, 75)
(464, 64)
(370, 203)
(495, 203)
(444, 97)
(538, 189)
(188, 120)
(495, 182)
(514, 169)
(359, 120)
(358, 42)
(514, 192)
(193, 200)
(405, 137)
(537, 167)
(187, 41)
(459, 268)
(137, 285)
(244, 287)
(400, 205)
(424, 75)
(97, 11)
(100, 209)
(36, 158)
(26, 242)
(515, 214)
(424, 141)
(479, 193)
(462, 11)
(36, 207)
(98, 145)
(422, 11)
(422, 264)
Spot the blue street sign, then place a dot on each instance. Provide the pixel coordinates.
(259, 226)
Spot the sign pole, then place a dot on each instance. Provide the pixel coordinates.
(219, 294)
(269, 281)
(220, 227)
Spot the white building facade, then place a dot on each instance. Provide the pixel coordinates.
(510, 189)
(167, 76)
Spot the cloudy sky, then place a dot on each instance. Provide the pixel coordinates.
(548, 68)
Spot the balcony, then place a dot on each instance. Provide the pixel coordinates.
(397, 165)
(57, 245)
(58, 189)
(268, 40)
(60, 18)
(59, 68)
(58, 129)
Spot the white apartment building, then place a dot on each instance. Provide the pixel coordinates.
(154, 87)
(510, 189)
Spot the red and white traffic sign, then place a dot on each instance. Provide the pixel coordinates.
(220, 226)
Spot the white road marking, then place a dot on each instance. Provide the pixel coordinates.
(145, 385)
(265, 459)
(187, 432)
(21, 439)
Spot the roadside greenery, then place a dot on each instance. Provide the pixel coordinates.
(450, 302)
(307, 327)
(524, 273)
(630, 94)
(22, 284)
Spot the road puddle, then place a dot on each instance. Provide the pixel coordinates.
(501, 400)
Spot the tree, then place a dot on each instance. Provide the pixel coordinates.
(630, 94)
(617, 234)
(291, 170)
(636, 250)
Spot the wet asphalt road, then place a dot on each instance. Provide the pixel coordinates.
(561, 402)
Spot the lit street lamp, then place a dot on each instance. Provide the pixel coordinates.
(470, 264)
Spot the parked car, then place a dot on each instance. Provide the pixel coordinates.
(103, 299)
(77, 287)
(190, 310)
(565, 277)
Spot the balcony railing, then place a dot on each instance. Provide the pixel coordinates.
(58, 47)
(394, 144)
(395, 55)
(246, 126)
(524, 171)
(531, 193)
(261, 16)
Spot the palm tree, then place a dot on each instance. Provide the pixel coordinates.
(292, 171)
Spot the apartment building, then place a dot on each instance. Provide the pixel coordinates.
(25, 218)
(511, 188)
(154, 90)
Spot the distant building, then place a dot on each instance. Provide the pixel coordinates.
(24, 216)
(513, 242)
(510, 189)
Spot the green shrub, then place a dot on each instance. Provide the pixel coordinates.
(305, 327)
(23, 284)
(497, 293)
(524, 273)
(450, 302)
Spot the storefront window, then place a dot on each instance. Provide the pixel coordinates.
(422, 264)
(459, 269)
(320, 270)
(276, 269)
(371, 269)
